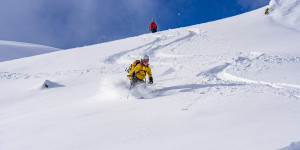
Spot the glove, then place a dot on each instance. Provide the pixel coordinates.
(150, 80)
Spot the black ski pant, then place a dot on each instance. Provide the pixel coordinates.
(135, 81)
(153, 30)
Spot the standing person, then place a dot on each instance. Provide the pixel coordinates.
(153, 26)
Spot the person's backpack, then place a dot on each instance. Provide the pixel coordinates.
(132, 66)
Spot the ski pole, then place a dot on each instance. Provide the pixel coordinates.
(145, 81)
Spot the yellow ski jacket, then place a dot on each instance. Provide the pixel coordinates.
(141, 71)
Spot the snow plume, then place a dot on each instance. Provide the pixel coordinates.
(286, 12)
(112, 89)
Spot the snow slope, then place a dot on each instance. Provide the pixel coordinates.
(13, 50)
(230, 84)
(286, 13)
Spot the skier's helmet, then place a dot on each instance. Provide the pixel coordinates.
(145, 60)
(153, 20)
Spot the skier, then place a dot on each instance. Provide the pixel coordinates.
(138, 71)
(153, 26)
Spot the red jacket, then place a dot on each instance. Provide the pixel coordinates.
(153, 25)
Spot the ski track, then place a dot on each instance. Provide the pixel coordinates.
(153, 47)
(152, 51)
(112, 59)
(220, 75)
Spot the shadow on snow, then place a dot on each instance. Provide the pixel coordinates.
(191, 88)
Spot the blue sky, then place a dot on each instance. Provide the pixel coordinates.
(68, 23)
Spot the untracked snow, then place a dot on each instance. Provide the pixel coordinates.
(13, 50)
(231, 84)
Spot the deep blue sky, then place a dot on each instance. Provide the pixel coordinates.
(69, 23)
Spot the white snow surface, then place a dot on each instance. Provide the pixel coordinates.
(13, 50)
(286, 12)
(230, 84)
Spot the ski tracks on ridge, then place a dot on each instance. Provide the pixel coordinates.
(113, 58)
(152, 47)
(239, 71)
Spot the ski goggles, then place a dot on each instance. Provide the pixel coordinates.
(145, 61)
